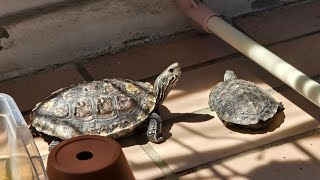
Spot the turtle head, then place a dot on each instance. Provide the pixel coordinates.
(229, 75)
(165, 82)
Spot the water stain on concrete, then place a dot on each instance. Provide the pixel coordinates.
(3, 34)
(150, 6)
(258, 4)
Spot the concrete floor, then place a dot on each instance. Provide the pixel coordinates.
(198, 145)
(46, 33)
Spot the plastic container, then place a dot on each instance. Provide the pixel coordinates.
(19, 156)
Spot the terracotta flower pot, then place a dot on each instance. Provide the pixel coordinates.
(88, 157)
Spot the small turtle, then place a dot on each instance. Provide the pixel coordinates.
(243, 103)
(111, 107)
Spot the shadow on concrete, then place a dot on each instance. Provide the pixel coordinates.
(139, 137)
(307, 168)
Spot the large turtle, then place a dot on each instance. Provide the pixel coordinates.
(240, 102)
(111, 107)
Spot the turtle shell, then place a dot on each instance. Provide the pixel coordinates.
(242, 102)
(112, 107)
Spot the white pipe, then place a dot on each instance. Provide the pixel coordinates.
(288, 74)
(266, 59)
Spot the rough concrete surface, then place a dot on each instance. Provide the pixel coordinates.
(44, 33)
(9, 7)
(232, 8)
(81, 30)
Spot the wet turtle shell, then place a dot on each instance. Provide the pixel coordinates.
(112, 107)
(241, 102)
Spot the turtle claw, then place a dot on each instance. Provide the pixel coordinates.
(53, 144)
(154, 138)
(154, 129)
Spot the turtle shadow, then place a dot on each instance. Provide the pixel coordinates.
(140, 138)
(275, 123)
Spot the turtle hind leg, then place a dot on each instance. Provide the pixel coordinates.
(154, 129)
(53, 144)
(280, 107)
(34, 132)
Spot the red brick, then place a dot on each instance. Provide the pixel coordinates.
(151, 59)
(282, 23)
(27, 91)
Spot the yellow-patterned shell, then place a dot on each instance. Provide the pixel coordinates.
(112, 107)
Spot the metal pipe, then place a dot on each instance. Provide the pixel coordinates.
(288, 74)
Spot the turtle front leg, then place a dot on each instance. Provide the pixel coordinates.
(53, 144)
(154, 129)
